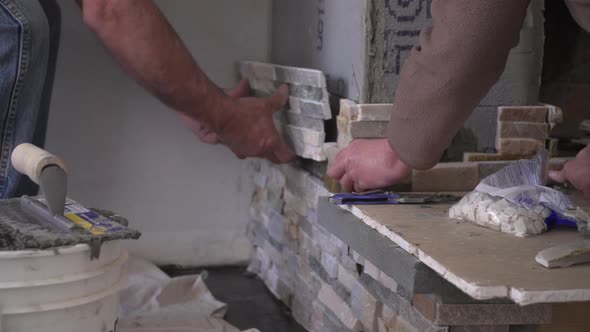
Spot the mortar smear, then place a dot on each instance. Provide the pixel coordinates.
(20, 231)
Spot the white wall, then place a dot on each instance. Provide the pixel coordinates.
(128, 153)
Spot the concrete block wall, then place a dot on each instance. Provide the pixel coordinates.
(330, 286)
(361, 46)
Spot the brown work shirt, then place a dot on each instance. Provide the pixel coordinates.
(456, 62)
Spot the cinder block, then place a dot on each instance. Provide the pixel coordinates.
(520, 146)
(374, 112)
(523, 113)
(446, 177)
(368, 129)
(533, 130)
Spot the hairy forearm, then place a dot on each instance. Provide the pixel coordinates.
(147, 47)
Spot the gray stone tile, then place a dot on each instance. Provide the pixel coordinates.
(300, 76)
(300, 120)
(310, 108)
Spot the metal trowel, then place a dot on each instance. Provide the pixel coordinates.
(49, 172)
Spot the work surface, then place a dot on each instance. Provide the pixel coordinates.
(483, 263)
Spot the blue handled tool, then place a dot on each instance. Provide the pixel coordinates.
(384, 197)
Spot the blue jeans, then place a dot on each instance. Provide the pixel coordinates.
(29, 31)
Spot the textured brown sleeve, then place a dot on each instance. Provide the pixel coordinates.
(580, 10)
(456, 62)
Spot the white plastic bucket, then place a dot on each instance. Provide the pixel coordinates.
(61, 290)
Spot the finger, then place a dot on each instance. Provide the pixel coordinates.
(283, 152)
(279, 99)
(338, 168)
(558, 176)
(240, 91)
(346, 183)
(272, 157)
(360, 187)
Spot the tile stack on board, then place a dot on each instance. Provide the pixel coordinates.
(302, 124)
(330, 286)
(524, 130)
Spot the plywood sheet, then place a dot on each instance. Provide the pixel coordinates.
(483, 263)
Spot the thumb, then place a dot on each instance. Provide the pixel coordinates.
(240, 91)
(279, 99)
(558, 176)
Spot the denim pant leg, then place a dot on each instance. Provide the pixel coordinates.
(24, 54)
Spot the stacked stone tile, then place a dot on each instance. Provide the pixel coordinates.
(524, 130)
(357, 121)
(333, 283)
(302, 124)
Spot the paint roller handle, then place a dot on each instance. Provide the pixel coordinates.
(31, 160)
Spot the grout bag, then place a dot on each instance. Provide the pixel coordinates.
(516, 201)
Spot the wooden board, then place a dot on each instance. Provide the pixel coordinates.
(483, 263)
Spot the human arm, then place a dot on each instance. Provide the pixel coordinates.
(454, 65)
(142, 41)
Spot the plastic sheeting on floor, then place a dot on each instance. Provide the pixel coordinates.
(154, 302)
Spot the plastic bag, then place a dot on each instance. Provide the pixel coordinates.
(514, 200)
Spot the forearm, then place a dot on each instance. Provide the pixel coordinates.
(139, 37)
(459, 58)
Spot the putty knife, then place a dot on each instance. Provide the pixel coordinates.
(49, 172)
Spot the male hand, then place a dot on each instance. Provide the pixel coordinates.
(205, 133)
(248, 129)
(576, 172)
(367, 165)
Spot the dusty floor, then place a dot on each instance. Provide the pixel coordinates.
(250, 304)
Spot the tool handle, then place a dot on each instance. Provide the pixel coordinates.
(31, 160)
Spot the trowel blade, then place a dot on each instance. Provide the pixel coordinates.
(54, 183)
